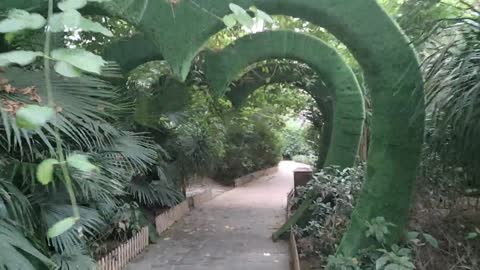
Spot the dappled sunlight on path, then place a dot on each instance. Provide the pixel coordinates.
(230, 232)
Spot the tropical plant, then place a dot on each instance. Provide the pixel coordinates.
(66, 164)
(453, 94)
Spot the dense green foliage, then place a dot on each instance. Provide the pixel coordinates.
(124, 138)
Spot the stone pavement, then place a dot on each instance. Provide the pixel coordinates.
(231, 232)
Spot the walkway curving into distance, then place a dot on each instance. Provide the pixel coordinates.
(231, 232)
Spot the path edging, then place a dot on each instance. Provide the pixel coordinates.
(252, 176)
(118, 258)
(292, 241)
(126, 252)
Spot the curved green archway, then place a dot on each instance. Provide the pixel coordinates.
(180, 29)
(224, 66)
(391, 71)
(294, 75)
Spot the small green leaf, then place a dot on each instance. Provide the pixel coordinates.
(73, 20)
(380, 263)
(61, 227)
(72, 4)
(80, 58)
(34, 116)
(63, 21)
(261, 15)
(430, 240)
(472, 235)
(241, 15)
(412, 235)
(20, 20)
(81, 163)
(67, 70)
(91, 26)
(20, 57)
(229, 21)
(45, 171)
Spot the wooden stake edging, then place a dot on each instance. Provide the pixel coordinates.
(123, 254)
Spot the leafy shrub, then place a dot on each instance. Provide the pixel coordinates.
(331, 210)
(295, 142)
(310, 159)
(251, 145)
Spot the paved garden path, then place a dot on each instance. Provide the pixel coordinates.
(231, 232)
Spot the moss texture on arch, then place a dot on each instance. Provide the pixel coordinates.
(131, 52)
(224, 66)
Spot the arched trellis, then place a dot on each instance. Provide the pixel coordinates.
(181, 28)
(131, 52)
(391, 71)
(222, 67)
(293, 74)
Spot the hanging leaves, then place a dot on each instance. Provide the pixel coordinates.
(33, 116)
(61, 227)
(73, 20)
(19, 57)
(78, 58)
(230, 21)
(67, 70)
(81, 162)
(241, 15)
(72, 4)
(261, 15)
(45, 171)
(20, 20)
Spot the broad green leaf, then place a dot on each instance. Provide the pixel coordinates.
(63, 21)
(229, 21)
(430, 240)
(61, 227)
(73, 20)
(380, 263)
(241, 15)
(20, 20)
(34, 116)
(81, 163)
(72, 4)
(80, 58)
(264, 16)
(20, 57)
(472, 235)
(67, 70)
(45, 171)
(412, 235)
(91, 26)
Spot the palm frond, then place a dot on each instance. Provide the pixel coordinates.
(74, 260)
(88, 227)
(14, 204)
(15, 248)
(85, 105)
(453, 96)
(154, 193)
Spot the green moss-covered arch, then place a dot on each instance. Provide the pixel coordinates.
(391, 72)
(224, 66)
(390, 66)
(293, 74)
(132, 52)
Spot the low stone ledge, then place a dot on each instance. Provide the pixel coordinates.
(252, 176)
